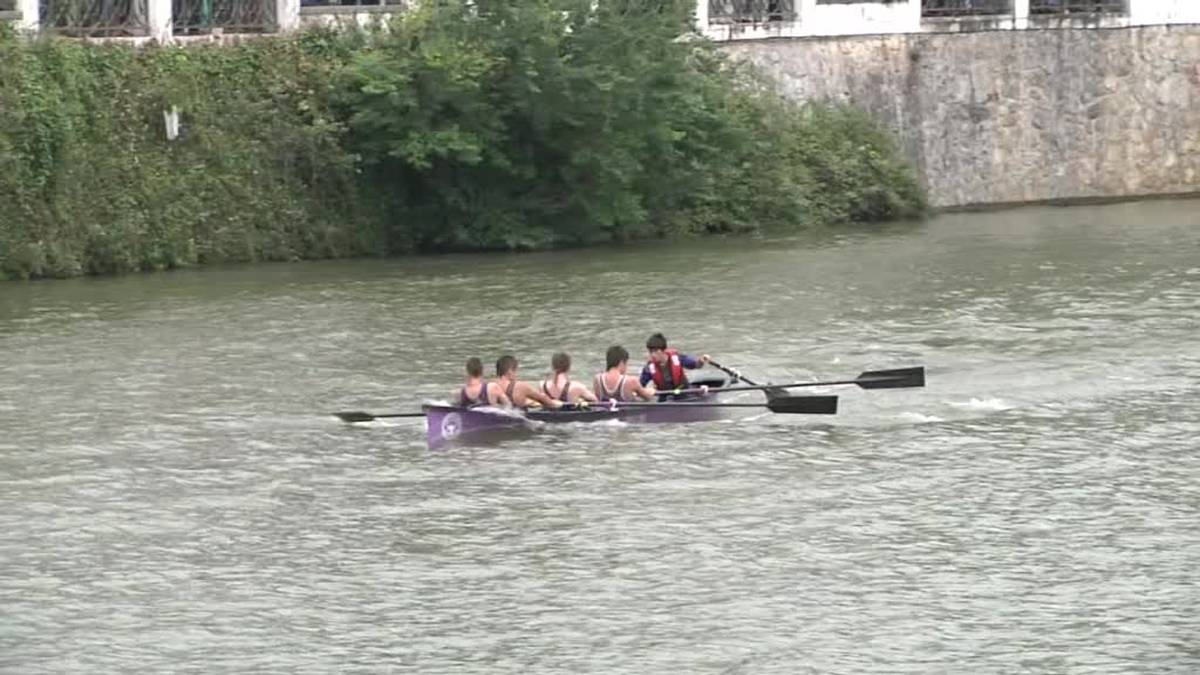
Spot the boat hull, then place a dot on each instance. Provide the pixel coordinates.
(446, 424)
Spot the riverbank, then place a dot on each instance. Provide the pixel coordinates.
(522, 128)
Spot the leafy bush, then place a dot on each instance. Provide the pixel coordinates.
(90, 184)
(525, 124)
(464, 124)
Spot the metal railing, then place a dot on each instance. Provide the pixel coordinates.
(398, 4)
(201, 17)
(95, 18)
(934, 8)
(751, 11)
(1076, 6)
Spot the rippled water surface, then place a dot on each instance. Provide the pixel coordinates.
(174, 496)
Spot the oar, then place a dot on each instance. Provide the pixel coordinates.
(870, 379)
(359, 416)
(771, 390)
(795, 405)
(732, 373)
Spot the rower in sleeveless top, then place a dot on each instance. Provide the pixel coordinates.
(560, 386)
(476, 392)
(614, 384)
(520, 393)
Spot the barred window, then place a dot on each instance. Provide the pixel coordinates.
(95, 18)
(751, 11)
(199, 17)
(1076, 6)
(349, 3)
(965, 7)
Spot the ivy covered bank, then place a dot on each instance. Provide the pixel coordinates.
(462, 125)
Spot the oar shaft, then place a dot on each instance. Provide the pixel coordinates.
(905, 377)
(668, 404)
(359, 416)
(732, 373)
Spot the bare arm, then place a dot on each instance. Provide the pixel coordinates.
(646, 393)
(495, 393)
(580, 391)
(536, 394)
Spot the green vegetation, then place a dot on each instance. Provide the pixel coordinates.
(464, 125)
(89, 183)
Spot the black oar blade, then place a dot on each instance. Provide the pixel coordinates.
(355, 416)
(804, 405)
(892, 379)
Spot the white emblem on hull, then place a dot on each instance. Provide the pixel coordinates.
(451, 425)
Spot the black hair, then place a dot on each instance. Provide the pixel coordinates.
(504, 364)
(656, 341)
(560, 362)
(615, 355)
(474, 367)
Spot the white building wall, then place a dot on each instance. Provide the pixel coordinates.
(813, 19)
(1151, 12)
(29, 14)
(861, 18)
(904, 16)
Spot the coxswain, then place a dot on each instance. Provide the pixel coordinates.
(560, 386)
(476, 391)
(520, 393)
(614, 384)
(665, 367)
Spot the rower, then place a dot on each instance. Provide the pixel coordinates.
(665, 367)
(520, 393)
(614, 384)
(560, 386)
(476, 392)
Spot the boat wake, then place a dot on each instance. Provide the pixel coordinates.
(984, 404)
(919, 418)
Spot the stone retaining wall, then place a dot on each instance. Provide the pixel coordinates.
(1018, 116)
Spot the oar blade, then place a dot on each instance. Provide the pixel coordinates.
(892, 379)
(803, 405)
(354, 416)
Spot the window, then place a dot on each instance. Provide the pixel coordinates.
(200, 17)
(965, 7)
(95, 18)
(1076, 6)
(750, 11)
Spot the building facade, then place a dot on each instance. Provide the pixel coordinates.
(995, 101)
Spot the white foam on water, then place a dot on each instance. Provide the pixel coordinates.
(991, 403)
(918, 418)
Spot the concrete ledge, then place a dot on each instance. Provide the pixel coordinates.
(319, 10)
(10, 15)
(967, 24)
(1071, 201)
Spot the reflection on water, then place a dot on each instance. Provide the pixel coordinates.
(174, 497)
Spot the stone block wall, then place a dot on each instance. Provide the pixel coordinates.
(1017, 116)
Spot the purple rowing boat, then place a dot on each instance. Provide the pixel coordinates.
(445, 424)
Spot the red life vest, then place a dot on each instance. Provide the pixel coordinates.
(678, 379)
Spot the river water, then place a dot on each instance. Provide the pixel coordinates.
(174, 496)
